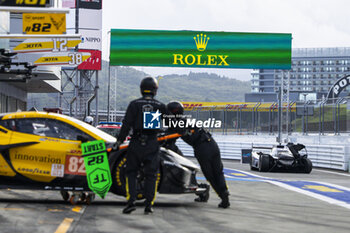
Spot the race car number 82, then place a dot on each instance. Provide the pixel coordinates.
(75, 165)
(38, 27)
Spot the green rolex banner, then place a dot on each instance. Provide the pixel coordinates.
(97, 167)
(207, 49)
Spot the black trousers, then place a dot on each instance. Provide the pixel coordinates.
(139, 153)
(208, 156)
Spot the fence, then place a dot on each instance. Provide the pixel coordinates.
(322, 117)
(318, 124)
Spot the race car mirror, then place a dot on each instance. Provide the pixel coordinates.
(82, 138)
(96, 163)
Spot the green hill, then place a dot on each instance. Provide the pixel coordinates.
(191, 87)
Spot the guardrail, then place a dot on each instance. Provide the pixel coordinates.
(324, 156)
(333, 157)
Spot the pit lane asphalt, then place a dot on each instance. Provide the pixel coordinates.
(256, 206)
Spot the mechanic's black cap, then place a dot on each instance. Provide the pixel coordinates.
(175, 107)
(149, 86)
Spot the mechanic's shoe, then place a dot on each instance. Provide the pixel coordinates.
(130, 207)
(225, 203)
(148, 209)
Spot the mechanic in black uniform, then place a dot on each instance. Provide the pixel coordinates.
(143, 147)
(207, 153)
(177, 113)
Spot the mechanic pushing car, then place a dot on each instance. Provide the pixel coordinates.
(174, 109)
(206, 151)
(143, 146)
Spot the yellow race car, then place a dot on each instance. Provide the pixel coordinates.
(40, 150)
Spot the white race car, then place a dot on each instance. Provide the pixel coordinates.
(290, 157)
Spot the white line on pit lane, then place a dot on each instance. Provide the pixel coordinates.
(248, 173)
(336, 173)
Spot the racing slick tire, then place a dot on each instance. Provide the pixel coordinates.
(118, 176)
(203, 197)
(65, 195)
(90, 198)
(264, 163)
(308, 165)
(74, 199)
(119, 179)
(253, 168)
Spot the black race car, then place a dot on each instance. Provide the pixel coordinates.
(290, 157)
(177, 175)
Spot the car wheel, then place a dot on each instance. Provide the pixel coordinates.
(203, 197)
(253, 168)
(119, 179)
(65, 195)
(308, 165)
(74, 199)
(90, 198)
(118, 176)
(264, 163)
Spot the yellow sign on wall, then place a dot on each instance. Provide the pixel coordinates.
(43, 23)
(46, 45)
(235, 106)
(70, 59)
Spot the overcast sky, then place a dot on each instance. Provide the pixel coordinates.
(313, 23)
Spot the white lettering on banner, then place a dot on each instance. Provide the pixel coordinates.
(76, 58)
(62, 45)
(340, 85)
(336, 89)
(191, 123)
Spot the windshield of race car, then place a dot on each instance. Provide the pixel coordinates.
(100, 133)
(110, 130)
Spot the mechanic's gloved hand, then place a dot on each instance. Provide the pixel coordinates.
(116, 145)
(163, 142)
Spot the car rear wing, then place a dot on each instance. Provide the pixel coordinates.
(262, 149)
